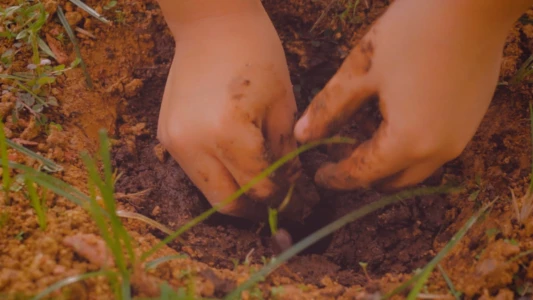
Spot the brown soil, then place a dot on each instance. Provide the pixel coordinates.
(129, 63)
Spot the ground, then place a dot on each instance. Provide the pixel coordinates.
(128, 62)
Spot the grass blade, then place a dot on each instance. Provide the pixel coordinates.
(156, 262)
(74, 41)
(449, 282)
(6, 178)
(97, 216)
(56, 185)
(90, 11)
(421, 278)
(48, 164)
(44, 46)
(325, 231)
(531, 128)
(67, 281)
(36, 204)
(245, 188)
(139, 217)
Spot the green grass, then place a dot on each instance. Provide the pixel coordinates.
(74, 41)
(38, 204)
(6, 178)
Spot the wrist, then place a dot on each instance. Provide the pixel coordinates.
(190, 15)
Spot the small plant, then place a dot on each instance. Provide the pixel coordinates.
(523, 212)
(24, 23)
(6, 177)
(364, 266)
(110, 5)
(38, 203)
(349, 12)
(525, 70)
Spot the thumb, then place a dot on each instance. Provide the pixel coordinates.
(341, 97)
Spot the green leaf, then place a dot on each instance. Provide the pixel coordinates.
(51, 100)
(44, 46)
(473, 196)
(59, 68)
(22, 35)
(110, 5)
(273, 220)
(45, 80)
(37, 108)
(75, 62)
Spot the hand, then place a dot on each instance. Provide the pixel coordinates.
(434, 66)
(228, 109)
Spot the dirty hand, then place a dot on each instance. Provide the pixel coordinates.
(228, 109)
(434, 66)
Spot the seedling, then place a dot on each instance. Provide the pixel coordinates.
(6, 177)
(38, 204)
(20, 236)
(349, 12)
(449, 282)
(523, 212)
(364, 266)
(110, 5)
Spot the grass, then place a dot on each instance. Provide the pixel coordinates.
(524, 210)
(23, 24)
(38, 204)
(6, 177)
(74, 41)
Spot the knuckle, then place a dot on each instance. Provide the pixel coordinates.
(170, 136)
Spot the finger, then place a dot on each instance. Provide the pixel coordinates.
(382, 156)
(278, 132)
(217, 184)
(244, 154)
(341, 97)
(412, 175)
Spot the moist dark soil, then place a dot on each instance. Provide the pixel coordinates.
(396, 239)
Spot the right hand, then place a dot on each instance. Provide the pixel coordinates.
(434, 66)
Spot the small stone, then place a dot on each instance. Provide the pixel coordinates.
(133, 87)
(160, 152)
(156, 211)
(68, 7)
(5, 109)
(50, 6)
(31, 131)
(8, 133)
(73, 18)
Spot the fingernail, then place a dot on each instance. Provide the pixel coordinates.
(300, 130)
(322, 175)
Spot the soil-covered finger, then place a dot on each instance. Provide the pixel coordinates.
(382, 156)
(349, 88)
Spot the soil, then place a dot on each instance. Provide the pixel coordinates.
(129, 62)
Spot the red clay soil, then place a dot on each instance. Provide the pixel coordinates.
(129, 63)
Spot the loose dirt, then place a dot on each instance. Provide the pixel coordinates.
(129, 63)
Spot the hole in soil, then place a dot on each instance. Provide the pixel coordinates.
(395, 239)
